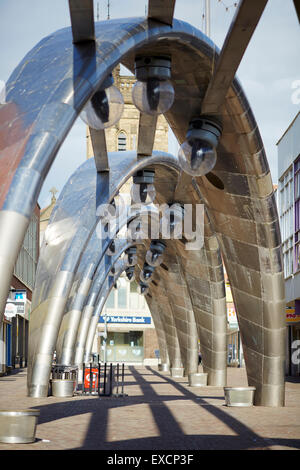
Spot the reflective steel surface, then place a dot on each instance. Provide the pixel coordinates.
(45, 94)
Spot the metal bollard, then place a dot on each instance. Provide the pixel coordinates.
(99, 375)
(110, 379)
(91, 378)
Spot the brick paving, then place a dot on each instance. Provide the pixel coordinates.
(160, 413)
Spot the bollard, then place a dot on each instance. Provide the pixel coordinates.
(91, 378)
(99, 375)
(117, 379)
(104, 383)
(123, 379)
(110, 379)
(18, 426)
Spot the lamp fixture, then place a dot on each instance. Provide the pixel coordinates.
(197, 155)
(130, 273)
(154, 256)
(143, 189)
(131, 256)
(111, 249)
(146, 273)
(105, 107)
(143, 288)
(153, 93)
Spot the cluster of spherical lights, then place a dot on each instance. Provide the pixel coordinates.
(153, 94)
(154, 258)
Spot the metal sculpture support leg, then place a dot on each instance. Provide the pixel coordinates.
(43, 333)
(183, 314)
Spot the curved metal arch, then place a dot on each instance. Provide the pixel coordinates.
(159, 328)
(182, 310)
(99, 278)
(56, 281)
(104, 292)
(35, 124)
(181, 315)
(164, 312)
(84, 283)
(187, 334)
(94, 297)
(200, 296)
(204, 276)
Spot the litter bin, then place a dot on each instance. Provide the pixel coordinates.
(64, 380)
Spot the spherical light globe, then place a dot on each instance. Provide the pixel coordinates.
(153, 258)
(143, 289)
(197, 158)
(104, 109)
(130, 276)
(153, 96)
(145, 276)
(111, 249)
(131, 259)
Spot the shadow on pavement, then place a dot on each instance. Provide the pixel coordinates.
(171, 436)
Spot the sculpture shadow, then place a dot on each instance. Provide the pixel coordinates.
(171, 436)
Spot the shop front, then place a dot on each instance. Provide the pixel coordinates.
(14, 332)
(293, 342)
(125, 338)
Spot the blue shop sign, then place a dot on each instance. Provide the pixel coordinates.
(125, 319)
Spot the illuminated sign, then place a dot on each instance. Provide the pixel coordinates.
(125, 319)
(290, 315)
(20, 296)
(10, 310)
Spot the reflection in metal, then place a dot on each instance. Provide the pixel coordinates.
(46, 93)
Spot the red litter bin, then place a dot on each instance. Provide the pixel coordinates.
(87, 378)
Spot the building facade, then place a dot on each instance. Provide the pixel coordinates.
(289, 211)
(14, 330)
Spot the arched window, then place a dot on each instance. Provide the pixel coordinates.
(121, 142)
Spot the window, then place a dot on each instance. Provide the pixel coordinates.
(121, 142)
(286, 212)
(25, 267)
(297, 213)
(122, 297)
(110, 303)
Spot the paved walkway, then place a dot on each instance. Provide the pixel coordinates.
(159, 413)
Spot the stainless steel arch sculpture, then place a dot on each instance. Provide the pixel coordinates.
(40, 110)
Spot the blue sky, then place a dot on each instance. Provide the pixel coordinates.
(267, 72)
